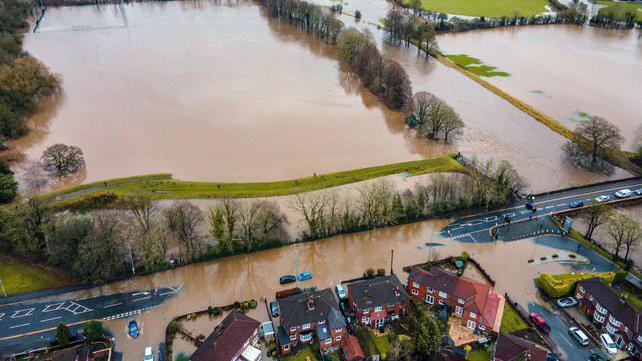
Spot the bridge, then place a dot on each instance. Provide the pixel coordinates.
(476, 228)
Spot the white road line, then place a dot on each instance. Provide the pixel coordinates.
(142, 298)
(473, 238)
(115, 304)
(23, 313)
(165, 293)
(52, 307)
(51, 319)
(1, 316)
(21, 325)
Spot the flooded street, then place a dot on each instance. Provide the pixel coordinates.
(566, 72)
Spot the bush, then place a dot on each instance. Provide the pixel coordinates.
(172, 328)
(94, 331)
(253, 304)
(561, 285)
(381, 272)
(369, 273)
(465, 256)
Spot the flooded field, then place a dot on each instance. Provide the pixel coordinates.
(206, 91)
(566, 72)
(255, 275)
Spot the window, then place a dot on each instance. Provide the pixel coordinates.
(582, 289)
(305, 337)
(473, 315)
(286, 347)
(461, 302)
(306, 326)
(441, 303)
(591, 298)
(378, 309)
(415, 284)
(366, 311)
(415, 292)
(430, 299)
(321, 322)
(598, 318)
(338, 338)
(459, 310)
(293, 338)
(430, 289)
(600, 309)
(579, 296)
(482, 327)
(443, 294)
(328, 341)
(614, 321)
(292, 329)
(365, 319)
(610, 328)
(471, 324)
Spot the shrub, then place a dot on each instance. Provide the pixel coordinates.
(253, 304)
(543, 258)
(556, 286)
(555, 255)
(572, 255)
(217, 311)
(531, 260)
(357, 15)
(465, 256)
(381, 272)
(369, 273)
(94, 331)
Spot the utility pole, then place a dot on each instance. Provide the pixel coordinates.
(3, 291)
(131, 258)
(392, 256)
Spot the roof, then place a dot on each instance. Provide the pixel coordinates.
(611, 300)
(378, 291)
(311, 307)
(512, 348)
(475, 294)
(493, 311)
(284, 339)
(351, 349)
(227, 338)
(251, 353)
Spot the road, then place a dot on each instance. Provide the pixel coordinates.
(31, 317)
(476, 228)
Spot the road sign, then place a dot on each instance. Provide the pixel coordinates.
(568, 224)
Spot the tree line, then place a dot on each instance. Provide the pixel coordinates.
(616, 16)
(624, 232)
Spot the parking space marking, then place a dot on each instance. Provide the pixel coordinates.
(113, 305)
(77, 309)
(23, 313)
(51, 319)
(142, 298)
(53, 307)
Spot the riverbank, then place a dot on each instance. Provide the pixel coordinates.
(19, 276)
(162, 186)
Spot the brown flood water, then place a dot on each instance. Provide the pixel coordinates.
(206, 91)
(565, 71)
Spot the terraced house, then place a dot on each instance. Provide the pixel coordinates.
(235, 339)
(310, 316)
(611, 312)
(378, 300)
(479, 308)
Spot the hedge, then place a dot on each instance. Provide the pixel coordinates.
(561, 285)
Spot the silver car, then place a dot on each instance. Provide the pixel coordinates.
(579, 335)
(566, 302)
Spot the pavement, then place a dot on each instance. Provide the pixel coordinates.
(476, 228)
(28, 325)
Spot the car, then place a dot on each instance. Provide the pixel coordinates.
(579, 335)
(638, 191)
(305, 276)
(133, 330)
(531, 206)
(576, 204)
(608, 344)
(602, 199)
(623, 193)
(595, 357)
(539, 322)
(287, 279)
(274, 309)
(566, 302)
(149, 354)
(341, 292)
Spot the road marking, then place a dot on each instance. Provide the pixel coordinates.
(471, 237)
(23, 313)
(115, 304)
(51, 319)
(74, 307)
(49, 308)
(22, 325)
(142, 298)
(1, 316)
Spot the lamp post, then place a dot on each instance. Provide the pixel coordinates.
(3, 291)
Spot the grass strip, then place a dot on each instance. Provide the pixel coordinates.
(476, 66)
(487, 8)
(19, 276)
(511, 320)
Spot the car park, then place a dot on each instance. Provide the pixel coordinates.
(539, 322)
(576, 204)
(287, 279)
(608, 344)
(579, 335)
(624, 193)
(566, 302)
(602, 199)
(274, 309)
(341, 292)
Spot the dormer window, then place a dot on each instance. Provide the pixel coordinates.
(460, 301)
(310, 305)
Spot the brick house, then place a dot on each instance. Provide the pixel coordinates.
(513, 348)
(608, 310)
(309, 316)
(479, 308)
(235, 338)
(377, 300)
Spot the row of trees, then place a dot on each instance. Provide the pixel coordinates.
(379, 204)
(616, 16)
(431, 117)
(624, 232)
(314, 19)
(402, 27)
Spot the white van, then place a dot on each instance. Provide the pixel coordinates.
(149, 354)
(608, 344)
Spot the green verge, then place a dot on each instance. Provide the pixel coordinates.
(634, 301)
(158, 187)
(487, 8)
(626, 6)
(302, 355)
(511, 321)
(478, 355)
(19, 276)
(476, 66)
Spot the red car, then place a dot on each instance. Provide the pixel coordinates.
(539, 322)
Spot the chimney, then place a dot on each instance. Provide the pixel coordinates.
(310, 305)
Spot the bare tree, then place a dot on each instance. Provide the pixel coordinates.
(592, 140)
(61, 160)
(619, 226)
(632, 238)
(452, 124)
(35, 176)
(312, 208)
(594, 217)
(183, 220)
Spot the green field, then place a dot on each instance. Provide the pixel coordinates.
(163, 187)
(511, 321)
(487, 8)
(478, 355)
(476, 66)
(626, 6)
(20, 277)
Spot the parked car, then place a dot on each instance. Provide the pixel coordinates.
(133, 329)
(638, 191)
(579, 335)
(149, 354)
(531, 207)
(274, 309)
(305, 276)
(602, 199)
(341, 292)
(595, 357)
(623, 193)
(287, 279)
(566, 302)
(539, 322)
(576, 204)
(608, 344)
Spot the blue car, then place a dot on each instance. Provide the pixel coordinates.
(274, 309)
(287, 279)
(133, 329)
(304, 276)
(576, 204)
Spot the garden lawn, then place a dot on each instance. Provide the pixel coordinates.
(21, 277)
(478, 355)
(633, 300)
(302, 356)
(511, 321)
(476, 66)
(372, 345)
(635, 7)
(487, 8)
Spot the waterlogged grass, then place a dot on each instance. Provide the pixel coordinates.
(637, 8)
(19, 276)
(476, 66)
(511, 321)
(487, 8)
(163, 187)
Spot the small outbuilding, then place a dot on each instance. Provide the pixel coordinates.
(351, 349)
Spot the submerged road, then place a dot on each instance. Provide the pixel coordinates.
(25, 318)
(475, 229)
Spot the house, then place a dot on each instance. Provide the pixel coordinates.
(512, 348)
(377, 300)
(310, 315)
(479, 308)
(611, 312)
(236, 338)
(351, 349)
